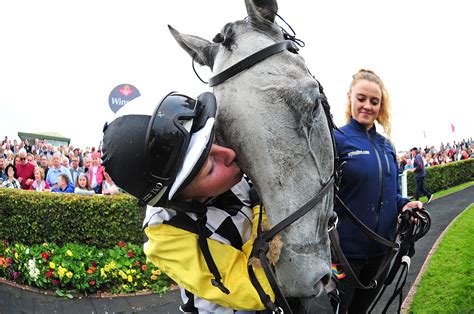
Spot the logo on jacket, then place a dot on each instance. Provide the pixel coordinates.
(358, 152)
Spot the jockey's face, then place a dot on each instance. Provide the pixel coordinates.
(219, 173)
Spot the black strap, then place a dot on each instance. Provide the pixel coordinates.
(252, 60)
(203, 245)
(268, 235)
(369, 232)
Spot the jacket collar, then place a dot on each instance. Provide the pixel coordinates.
(356, 125)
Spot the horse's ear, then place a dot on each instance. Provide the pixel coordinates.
(266, 9)
(201, 50)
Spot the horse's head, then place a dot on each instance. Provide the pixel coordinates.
(271, 115)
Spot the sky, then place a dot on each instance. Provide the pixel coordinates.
(59, 60)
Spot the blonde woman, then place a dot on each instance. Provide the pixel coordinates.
(369, 186)
(39, 184)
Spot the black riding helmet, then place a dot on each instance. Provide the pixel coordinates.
(153, 157)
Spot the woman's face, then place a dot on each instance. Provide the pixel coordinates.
(219, 173)
(17, 160)
(10, 172)
(82, 181)
(365, 98)
(37, 175)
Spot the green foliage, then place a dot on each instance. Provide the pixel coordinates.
(444, 176)
(32, 217)
(81, 268)
(447, 285)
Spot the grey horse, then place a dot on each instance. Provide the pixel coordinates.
(271, 115)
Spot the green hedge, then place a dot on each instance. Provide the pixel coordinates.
(443, 177)
(31, 217)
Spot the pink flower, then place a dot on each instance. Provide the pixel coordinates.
(15, 275)
(144, 267)
(92, 283)
(130, 254)
(121, 244)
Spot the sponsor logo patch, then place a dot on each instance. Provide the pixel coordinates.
(358, 152)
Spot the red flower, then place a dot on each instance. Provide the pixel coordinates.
(56, 282)
(130, 254)
(94, 264)
(144, 267)
(136, 263)
(121, 244)
(92, 283)
(44, 255)
(49, 273)
(9, 260)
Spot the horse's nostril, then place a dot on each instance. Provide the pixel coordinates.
(325, 279)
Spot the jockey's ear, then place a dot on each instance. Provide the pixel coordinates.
(264, 9)
(201, 50)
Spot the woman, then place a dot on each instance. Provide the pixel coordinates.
(39, 184)
(11, 182)
(82, 185)
(369, 186)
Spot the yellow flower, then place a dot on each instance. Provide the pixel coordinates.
(45, 244)
(107, 267)
(123, 275)
(156, 272)
(153, 277)
(128, 272)
(16, 255)
(129, 278)
(124, 287)
(69, 274)
(52, 265)
(102, 273)
(145, 284)
(134, 271)
(69, 253)
(7, 250)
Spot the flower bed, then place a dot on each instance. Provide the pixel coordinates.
(75, 268)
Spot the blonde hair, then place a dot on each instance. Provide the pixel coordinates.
(41, 171)
(385, 113)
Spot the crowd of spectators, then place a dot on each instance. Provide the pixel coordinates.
(433, 156)
(40, 166)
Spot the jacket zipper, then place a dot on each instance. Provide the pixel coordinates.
(379, 164)
(386, 161)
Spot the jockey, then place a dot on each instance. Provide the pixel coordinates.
(199, 221)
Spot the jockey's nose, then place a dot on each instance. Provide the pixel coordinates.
(224, 154)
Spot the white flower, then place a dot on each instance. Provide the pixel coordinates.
(27, 251)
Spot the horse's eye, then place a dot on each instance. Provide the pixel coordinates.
(219, 38)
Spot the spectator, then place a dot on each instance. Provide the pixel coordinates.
(44, 164)
(65, 162)
(49, 151)
(64, 184)
(16, 159)
(409, 165)
(3, 173)
(87, 164)
(420, 173)
(3, 152)
(82, 185)
(27, 145)
(75, 169)
(108, 186)
(96, 175)
(25, 170)
(56, 170)
(39, 184)
(11, 182)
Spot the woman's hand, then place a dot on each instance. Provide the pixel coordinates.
(411, 205)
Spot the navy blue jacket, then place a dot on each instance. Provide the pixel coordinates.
(369, 187)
